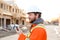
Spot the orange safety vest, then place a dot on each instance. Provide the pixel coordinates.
(37, 33)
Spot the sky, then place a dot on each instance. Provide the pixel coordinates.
(49, 8)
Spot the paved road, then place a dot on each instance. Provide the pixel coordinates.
(51, 34)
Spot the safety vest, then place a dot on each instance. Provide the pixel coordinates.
(37, 26)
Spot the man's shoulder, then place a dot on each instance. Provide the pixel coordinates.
(39, 29)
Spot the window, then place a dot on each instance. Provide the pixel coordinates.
(10, 8)
(16, 10)
(13, 9)
(1, 5)
(4, 6)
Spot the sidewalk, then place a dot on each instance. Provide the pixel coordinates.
(12, 37)
(4, 33)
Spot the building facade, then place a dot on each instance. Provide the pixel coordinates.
(59, 20)
(9, 14)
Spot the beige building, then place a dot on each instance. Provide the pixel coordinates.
(59, 20)
(10, 13)
(56, 20)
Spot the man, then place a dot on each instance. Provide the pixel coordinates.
(37, 31)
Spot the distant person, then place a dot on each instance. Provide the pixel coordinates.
(37, 31)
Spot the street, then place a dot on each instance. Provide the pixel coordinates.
(51, 34)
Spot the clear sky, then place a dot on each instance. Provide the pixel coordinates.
(49, 8)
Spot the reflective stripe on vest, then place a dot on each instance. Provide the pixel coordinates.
(39, 25)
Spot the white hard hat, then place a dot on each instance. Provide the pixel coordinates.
(33, 9)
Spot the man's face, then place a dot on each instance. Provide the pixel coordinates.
(32, 17)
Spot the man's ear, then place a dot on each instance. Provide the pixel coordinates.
(37, 15)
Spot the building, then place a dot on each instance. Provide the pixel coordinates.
(10, 13)
(59, 20)
(56, 21)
